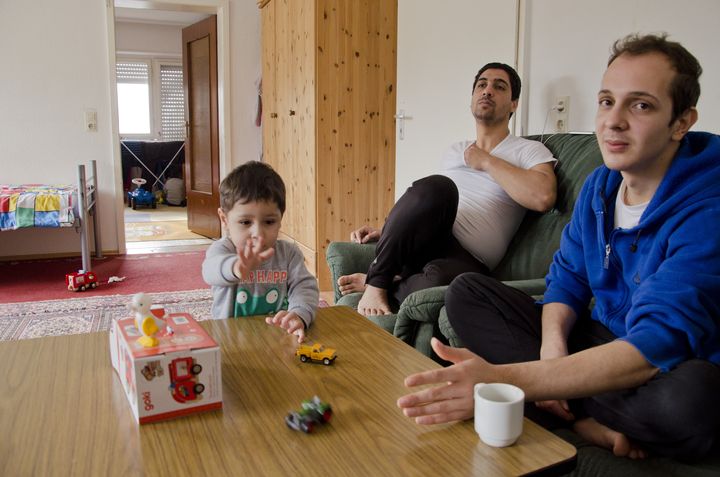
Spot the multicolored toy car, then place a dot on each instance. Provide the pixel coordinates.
(81, 280)
(314, 413)
(316, 352)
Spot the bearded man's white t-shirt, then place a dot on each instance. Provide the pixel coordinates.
(487, 216)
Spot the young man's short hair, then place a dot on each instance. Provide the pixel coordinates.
(685, 87)
(512, 74)
(253, 181)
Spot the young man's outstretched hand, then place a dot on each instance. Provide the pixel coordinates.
(452, 397)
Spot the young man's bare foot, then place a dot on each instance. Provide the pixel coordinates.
(374, 302)
(351, 283)
(600, 435)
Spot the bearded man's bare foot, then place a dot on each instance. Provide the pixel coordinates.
(351, 283)
(374, 302)
(600, 435)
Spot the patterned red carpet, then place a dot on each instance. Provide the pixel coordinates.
(87, 314)
(39, 280)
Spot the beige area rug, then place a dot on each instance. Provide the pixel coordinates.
(20, 321)
(158, 230)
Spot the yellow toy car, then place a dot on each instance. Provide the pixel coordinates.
(316, 352)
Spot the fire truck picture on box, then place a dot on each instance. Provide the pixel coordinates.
(183, 380)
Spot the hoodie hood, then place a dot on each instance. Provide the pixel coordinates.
(693, 177)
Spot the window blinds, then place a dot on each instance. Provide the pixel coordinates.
(172, 102)
(132, 72)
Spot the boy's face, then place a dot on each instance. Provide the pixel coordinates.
(252, 220)
(633, 117)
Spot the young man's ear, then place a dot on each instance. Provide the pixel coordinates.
(683, 123)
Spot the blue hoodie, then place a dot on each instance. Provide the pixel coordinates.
(656, 285)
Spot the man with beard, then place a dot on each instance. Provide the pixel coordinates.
(638, 372)
(462, 219)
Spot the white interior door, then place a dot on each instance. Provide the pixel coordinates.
(441, 46)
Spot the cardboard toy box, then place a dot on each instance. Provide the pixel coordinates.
(180, 376)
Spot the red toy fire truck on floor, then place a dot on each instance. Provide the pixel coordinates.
(183, 385)
(81, 280)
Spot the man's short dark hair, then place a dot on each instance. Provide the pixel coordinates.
(685, 87)
(253, 181)
(512, 74)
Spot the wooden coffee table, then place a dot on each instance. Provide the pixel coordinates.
(63, 412)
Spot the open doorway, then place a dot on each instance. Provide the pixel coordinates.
(152, 128)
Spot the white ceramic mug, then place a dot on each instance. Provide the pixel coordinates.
(498, 413)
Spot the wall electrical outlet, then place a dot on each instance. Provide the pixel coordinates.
(562, 113)
(90, 117)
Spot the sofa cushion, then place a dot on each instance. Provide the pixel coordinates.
(594, 460)
(531, 250)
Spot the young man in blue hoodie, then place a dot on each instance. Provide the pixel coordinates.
(639, 373)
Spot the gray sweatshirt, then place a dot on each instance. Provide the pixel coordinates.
(281, 283)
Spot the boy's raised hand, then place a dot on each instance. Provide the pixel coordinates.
(250, 257)
(289, 321)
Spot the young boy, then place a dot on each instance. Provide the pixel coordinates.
(250, 271)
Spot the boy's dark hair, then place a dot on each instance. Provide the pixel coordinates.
(512, 74)
(685, 87)
(253, 181)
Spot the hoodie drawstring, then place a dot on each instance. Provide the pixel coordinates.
(633, 245)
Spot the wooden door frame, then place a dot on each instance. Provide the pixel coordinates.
(221, 8)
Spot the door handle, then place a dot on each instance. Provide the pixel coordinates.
(401, 117)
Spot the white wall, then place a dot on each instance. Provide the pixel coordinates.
(245, 69)
(568, 44)
(441, 47)
(52, 70)
(148, 38)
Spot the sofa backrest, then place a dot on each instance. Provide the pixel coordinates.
(531, 250)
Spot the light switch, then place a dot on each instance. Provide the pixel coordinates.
(90, 120)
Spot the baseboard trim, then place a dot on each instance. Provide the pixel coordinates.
(45, 256)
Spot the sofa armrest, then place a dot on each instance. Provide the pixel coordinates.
(447, 331)
(418, 317)
(423, 305)
(422, 315)
(344, 258)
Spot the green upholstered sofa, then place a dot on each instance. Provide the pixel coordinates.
(422, 314)
(524, 265)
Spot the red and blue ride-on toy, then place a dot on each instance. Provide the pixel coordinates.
(141, 197)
